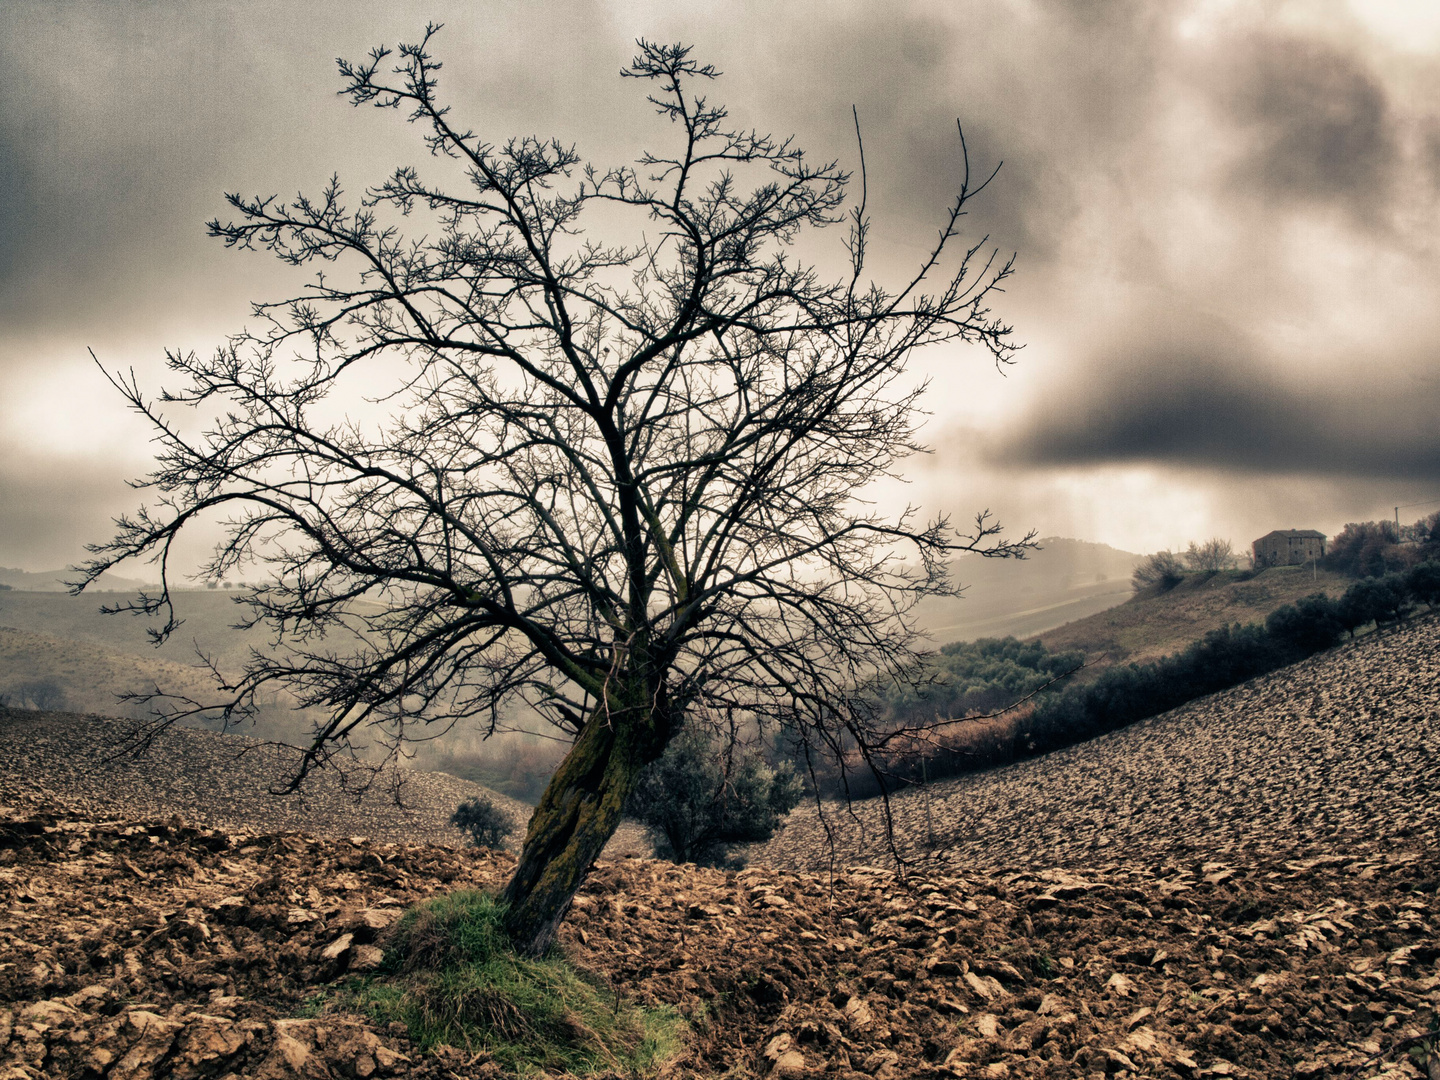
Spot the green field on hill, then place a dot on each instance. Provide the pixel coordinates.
(1152, 624)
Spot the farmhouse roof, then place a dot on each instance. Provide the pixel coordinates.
(1294, 534)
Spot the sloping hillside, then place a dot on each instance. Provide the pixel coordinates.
(208, 619)
(84, 764)
(1244, 888)
(60, 673)
(1151, 624)
(1064, 580)
(1339, 750)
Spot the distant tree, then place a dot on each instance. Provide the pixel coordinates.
(1423, 581)
(44, 694)
(1311, 624)
(1214, 554)
(1365, 549)
(1377, 599)
(1162, 568)
(1427, 534)
(705, 795)
(978, 676)
(619, 481)
(485, 823)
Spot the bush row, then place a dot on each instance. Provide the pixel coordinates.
(1227, 657)
(1123, 695)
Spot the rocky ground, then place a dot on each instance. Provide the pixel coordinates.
(92, 766)
(148, 948)
(1276, 917)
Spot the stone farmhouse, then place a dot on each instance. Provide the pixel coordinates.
(1288, 547)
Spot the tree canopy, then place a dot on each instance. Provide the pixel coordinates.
(616, 480)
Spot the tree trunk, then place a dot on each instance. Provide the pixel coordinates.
(577, 814)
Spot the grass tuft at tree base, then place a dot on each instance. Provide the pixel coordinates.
(451, 976)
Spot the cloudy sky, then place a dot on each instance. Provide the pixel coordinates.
(1227, 217)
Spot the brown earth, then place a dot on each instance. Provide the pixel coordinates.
(1178, 942)
(1340, 752)
(137, 949)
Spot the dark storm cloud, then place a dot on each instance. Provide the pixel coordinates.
(110, 141)
(1204, 397)
(123, 125)
(1055, 89)
(1318, 122)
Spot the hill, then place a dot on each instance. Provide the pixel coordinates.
(1063, 581)
(62, 673)
(86, 659)
(1151, 624)
(88, 765)
(1242, 889)
(54, 581)
(1337, 753)
(208, 622)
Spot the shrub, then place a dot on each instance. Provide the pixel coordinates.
(1223, 658)
(969, 679)
(1423, 581)
(42, 695)
(1162, 569)
(1310, 625)
(486, 823)
(452, 976)
(1124, 695)
(976, 676)
(700, 797)
(515, 765)
(1378, 600)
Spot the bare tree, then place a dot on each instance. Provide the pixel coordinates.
(616, 481)
(1213, 554)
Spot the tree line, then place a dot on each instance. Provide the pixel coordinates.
(1369, 549)
(1063, 713)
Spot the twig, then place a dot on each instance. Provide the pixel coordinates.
(1432, 1033)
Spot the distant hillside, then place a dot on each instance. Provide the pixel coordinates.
(1063, 581)
(42, 671)
(54, 581)
(84, 677)
(1334, 753)
(1150, 624)
(208, 620)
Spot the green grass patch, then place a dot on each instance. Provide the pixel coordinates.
(451, 976)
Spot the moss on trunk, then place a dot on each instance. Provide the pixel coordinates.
(577, 814)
